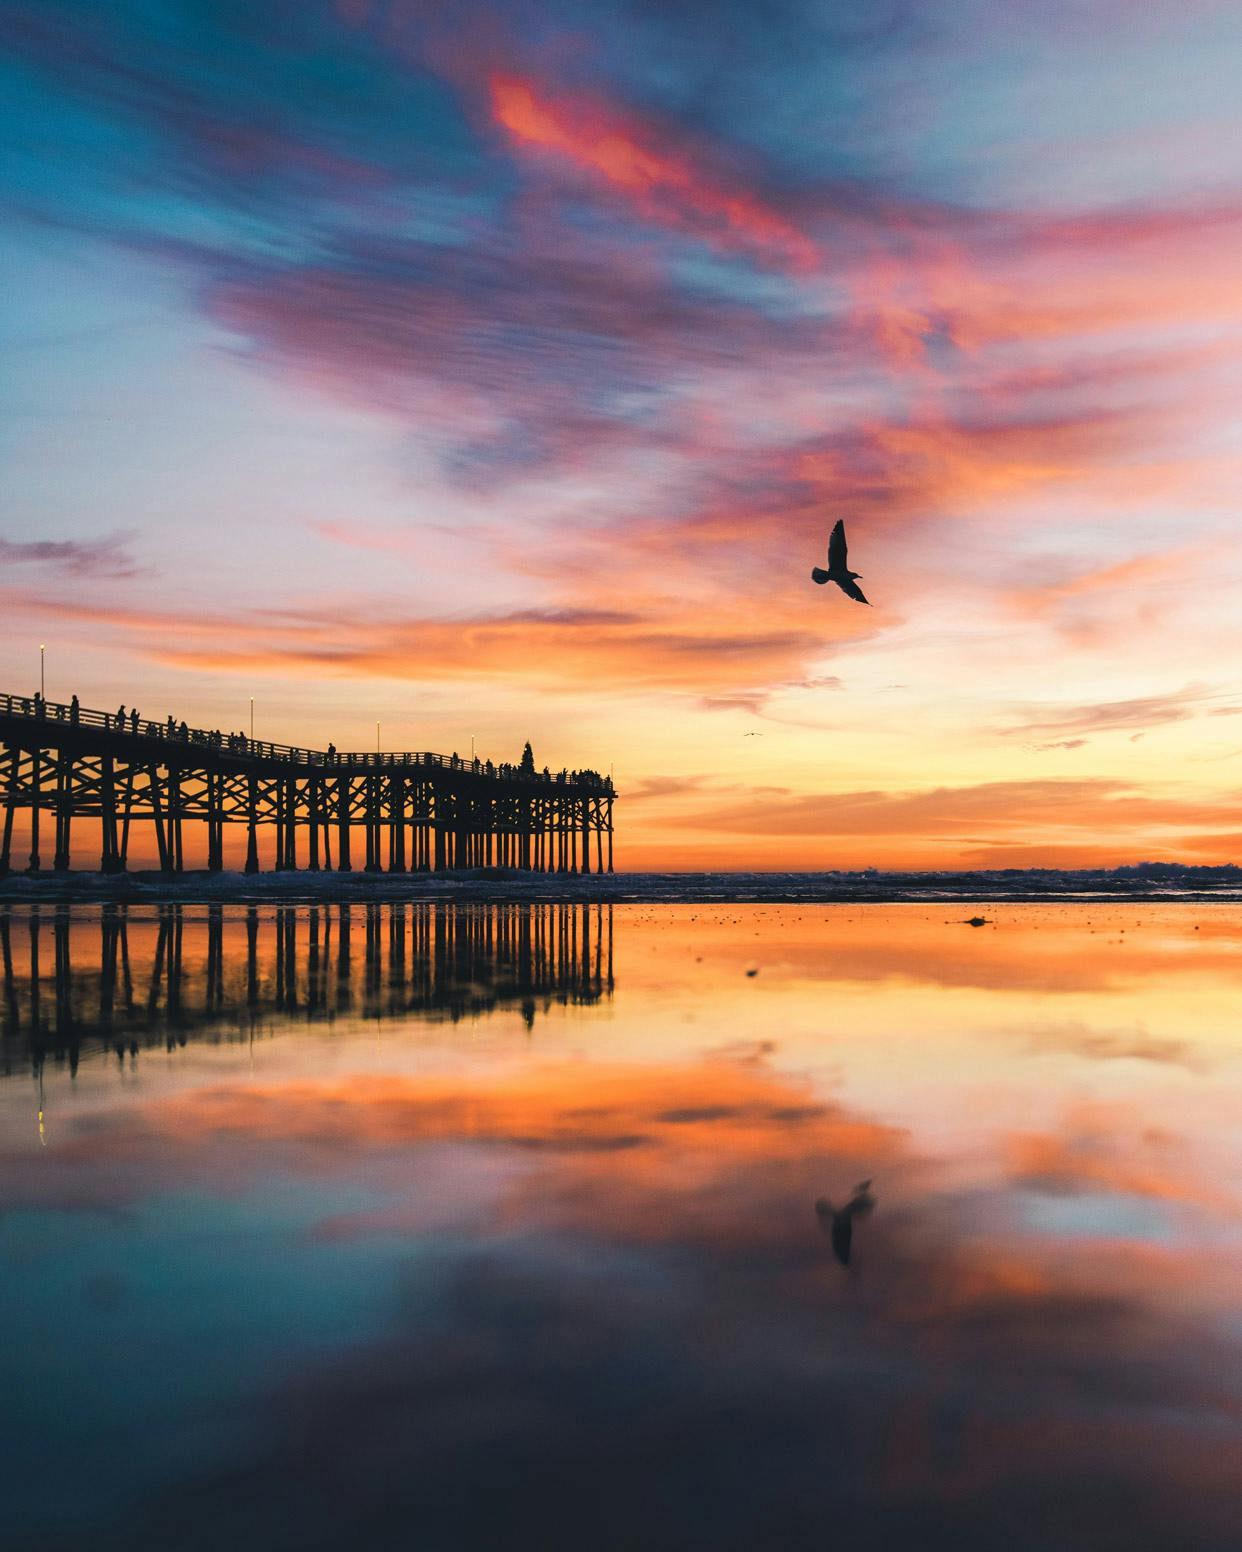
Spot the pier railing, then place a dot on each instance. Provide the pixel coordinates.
(170, 732)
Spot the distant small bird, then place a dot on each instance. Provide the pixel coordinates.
(838, 1222)
(838, 567)
(752, 735)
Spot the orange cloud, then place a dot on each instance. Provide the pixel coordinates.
(661, 649)
(1065, 804)
(623, 154)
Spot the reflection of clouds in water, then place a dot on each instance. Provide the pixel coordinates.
(1094, 1152)
(647, 1346)
(1135, 1044)
(591, 1301)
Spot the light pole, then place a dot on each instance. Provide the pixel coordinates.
(252, 719)
(377, 742)
(42, 683)
(472, 748)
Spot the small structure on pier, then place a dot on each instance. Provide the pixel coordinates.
(416, 812)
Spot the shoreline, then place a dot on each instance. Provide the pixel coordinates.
(498, 886)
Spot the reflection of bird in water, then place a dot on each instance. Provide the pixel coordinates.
(838, 567)
(838, 1222)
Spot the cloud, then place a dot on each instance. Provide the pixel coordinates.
(659, 787)
(558, 648)
(106, 557)
(1140, 711)
(645, 297)
(638, 162)
(1070, 811)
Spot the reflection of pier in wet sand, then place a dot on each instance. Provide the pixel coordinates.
(126, 979)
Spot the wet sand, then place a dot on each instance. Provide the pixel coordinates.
(498, 885)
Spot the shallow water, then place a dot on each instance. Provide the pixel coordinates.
(456, 1227)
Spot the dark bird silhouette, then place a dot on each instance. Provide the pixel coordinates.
(838, 567)
(838, 1222)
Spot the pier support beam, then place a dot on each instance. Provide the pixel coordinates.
(215, 822)
(122, 861)
(289, 789)
(312, 807)
(278, 805)
(396, 824)
(108, 860)
(36, 796)
(10, 808)
(64, 810)
(343, 864)
(252, 823)
(157, 815)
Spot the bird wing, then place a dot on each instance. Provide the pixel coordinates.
(851, 588)
(818, 574)
(836, 547)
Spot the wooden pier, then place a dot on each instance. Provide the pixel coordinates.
(385, 812)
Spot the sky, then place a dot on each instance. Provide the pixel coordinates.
(499, 372)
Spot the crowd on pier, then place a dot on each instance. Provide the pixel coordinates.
(131, 721)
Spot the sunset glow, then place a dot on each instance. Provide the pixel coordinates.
(499, 374)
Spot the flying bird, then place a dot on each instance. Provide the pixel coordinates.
(838, 567)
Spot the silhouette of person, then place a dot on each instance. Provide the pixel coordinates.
(133, 719)
(73, 709)
(120, 715)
